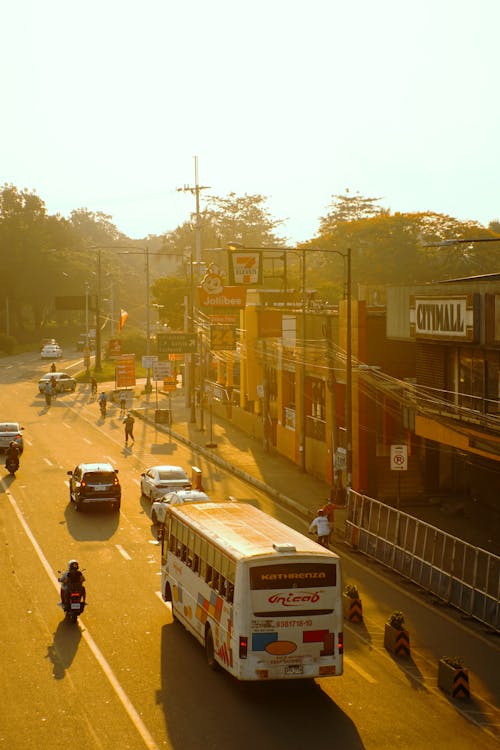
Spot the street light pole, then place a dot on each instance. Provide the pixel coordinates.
(148, 387)
(98, 362)
(303, 421)
(348, 401)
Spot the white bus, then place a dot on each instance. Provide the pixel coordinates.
(264, 600)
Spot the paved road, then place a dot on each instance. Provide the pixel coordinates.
(128, 676)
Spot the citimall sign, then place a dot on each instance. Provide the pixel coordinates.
(449, 318)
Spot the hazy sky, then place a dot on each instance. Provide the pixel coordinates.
(106, 102)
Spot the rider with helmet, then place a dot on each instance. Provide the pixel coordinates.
(71, 580)
(12, 454)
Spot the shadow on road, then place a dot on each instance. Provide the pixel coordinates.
(267, 715)
(63, 648)
(97, 524)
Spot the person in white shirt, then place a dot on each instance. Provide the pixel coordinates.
(321, 526)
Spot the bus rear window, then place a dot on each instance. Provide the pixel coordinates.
(293, 575)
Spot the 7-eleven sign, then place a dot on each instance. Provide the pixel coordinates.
(245, 267)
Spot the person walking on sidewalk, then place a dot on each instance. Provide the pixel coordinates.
(321, 526)
(129, 428)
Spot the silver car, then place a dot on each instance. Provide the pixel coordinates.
(158, 480)
(63, 382)
(159, 508)
(11, 431)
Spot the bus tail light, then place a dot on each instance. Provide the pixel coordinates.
(243, 647)
(341, 642)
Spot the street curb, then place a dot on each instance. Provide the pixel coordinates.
(304, 513)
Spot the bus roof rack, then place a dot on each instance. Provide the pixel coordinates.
(284, 547)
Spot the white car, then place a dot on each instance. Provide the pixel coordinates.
(51, 351)
(159, 508)
(158, 480)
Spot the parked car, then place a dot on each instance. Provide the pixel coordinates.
(11, 431)
(51, 351)
(94, 484)
(158, 480)
(64, 382)
(159, 507)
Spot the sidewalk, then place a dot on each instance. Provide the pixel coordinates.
(302, 492)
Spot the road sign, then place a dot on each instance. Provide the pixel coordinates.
(176, 343)
(162, 370)
(149, 361)
(399, 457)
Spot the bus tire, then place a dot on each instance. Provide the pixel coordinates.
(209, 650)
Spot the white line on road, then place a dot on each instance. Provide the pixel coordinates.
(123, 552)
(123, 697)
(86, 440)
(361, 672)
(47, 461)
(137, 481)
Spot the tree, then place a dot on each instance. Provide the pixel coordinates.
(243, 219)
(27, 236)
(170, 294)
(347, 208)
(95, 227)
(400, 249)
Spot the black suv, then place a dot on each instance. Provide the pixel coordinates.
(95, 484)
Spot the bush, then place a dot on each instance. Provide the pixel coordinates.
(351, 591)
(7, 343)
(456, 662)
(397, 620)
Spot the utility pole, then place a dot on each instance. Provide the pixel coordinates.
(195, 190)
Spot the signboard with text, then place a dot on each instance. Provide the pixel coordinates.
(399, 457)
(245, 267)
(176, 343)
(125, 371)
(222, 338)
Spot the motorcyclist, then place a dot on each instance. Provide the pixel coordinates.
(71, 580)
(12, 454)
(93, 386)
(53, 367)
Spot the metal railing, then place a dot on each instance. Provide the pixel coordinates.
(464, 576)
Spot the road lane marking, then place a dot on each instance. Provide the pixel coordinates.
(86, 440)
(352, 665)
(120, 692)
(47, 461)
(137, 481)
(123, 552)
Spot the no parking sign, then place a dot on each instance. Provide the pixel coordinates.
(399, 457)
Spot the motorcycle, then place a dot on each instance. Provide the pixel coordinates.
(73, 602)
(102, 407)
(12, 465)
(74, 605)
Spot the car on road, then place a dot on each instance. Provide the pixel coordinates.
(158, 480)
(63, 382)
(11, 431)
(51, 351)
(94, 484)
(159, 507)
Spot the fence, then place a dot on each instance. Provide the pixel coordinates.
(458, 573)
